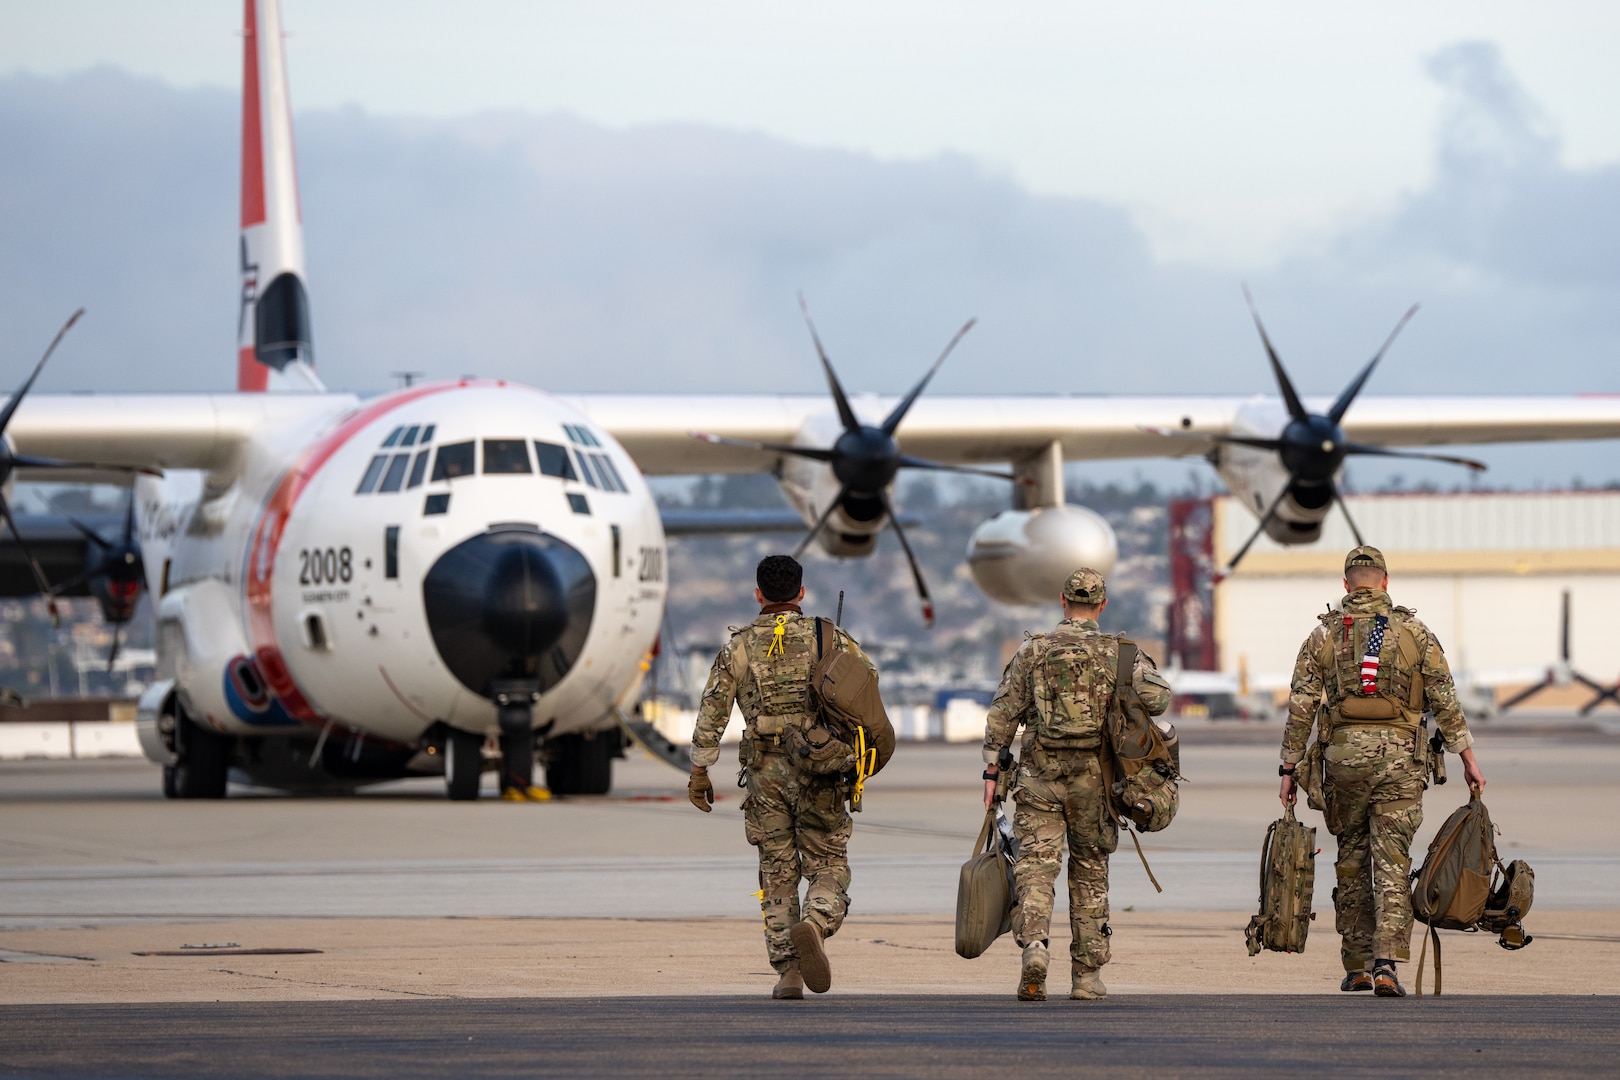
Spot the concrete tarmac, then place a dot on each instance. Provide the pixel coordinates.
(617, 936)
(941, 1038)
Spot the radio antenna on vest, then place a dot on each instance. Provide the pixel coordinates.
(838, 618)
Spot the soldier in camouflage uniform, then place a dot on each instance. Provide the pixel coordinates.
(1057, 686)
(796, 818)
(1368, 705)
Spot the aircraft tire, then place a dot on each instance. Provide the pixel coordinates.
(580, 765)
(204, 765)
(517, 761)
(463, 764)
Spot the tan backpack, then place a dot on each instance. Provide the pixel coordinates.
(852, 717)
(1453, 889)
(1287, 882)
(1144, 759)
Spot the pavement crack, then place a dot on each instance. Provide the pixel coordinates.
(324, 983)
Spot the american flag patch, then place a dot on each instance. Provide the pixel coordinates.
(1369, 662)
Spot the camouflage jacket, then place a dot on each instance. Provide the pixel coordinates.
(769, 682)
(1318, 681)
(1092, 680)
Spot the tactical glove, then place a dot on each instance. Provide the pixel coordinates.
(700, 791)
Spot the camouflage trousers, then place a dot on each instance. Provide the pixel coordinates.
(801, 827)
(1050, 811)
(1374, 793)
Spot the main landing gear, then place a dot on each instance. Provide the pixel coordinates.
(203, 765)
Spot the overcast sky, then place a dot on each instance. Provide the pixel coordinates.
(624, 195)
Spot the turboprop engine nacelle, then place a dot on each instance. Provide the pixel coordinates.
(1024, 556)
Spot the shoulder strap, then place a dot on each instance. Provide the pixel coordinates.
(1125, 664)
(819, 621)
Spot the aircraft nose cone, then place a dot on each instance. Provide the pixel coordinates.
(510, 603)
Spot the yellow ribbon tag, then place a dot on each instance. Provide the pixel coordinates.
(776, 646)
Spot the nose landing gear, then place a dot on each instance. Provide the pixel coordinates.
(514, 712)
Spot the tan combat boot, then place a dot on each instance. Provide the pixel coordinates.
(1087, 985)
(1032, 978)
(790, 987)
(813, 965)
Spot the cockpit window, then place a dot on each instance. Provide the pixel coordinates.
(580, 434)
(395, 476)
(427, 434)
(585, 469)
(506, 456)
(455, 459)
(554, 460)
(368, 482)
(610, 475)
(419, 468)
(410, 435)
(393, 437)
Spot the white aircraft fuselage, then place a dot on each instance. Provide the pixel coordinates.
(384, 567)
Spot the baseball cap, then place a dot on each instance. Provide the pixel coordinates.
(1365, 555)
(1085, 586)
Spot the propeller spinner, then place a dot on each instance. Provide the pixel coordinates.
(865, 458)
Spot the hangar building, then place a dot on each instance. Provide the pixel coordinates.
(1487, 572)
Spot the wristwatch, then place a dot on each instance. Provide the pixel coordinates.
(988, 775)
(1286, 770)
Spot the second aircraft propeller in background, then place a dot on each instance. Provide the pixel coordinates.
(866, 458)
(1312, 446)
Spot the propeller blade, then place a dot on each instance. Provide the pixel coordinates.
(1524, 695)
(846, 415)
(112, 654)
(909, 462)
(1604, 693)
(898, 414)
(1290, 398)
(1380, 451)
(1265, 519)
(810, 452)
(820, 521)
(1342, 405)
(61, 587)
(1590, 684)
(1239, 440)
(129, 519)
(916, 571)
(22, 391)
(1345, 510)
(88, 533)
(33, 564)
(29, 461)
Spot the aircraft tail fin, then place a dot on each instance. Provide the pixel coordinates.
(274, 350)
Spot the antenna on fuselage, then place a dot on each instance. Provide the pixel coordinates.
(407, 378)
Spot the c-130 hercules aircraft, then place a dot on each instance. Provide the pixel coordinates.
(351, 590)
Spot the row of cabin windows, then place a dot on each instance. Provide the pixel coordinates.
(387, 473)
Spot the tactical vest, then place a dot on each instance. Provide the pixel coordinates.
(773, 677)
(1398, 700)
(1072, 676)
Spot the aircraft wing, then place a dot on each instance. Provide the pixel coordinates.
(699, 521)
(205, 431)
(657, 428)
(167, 431)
